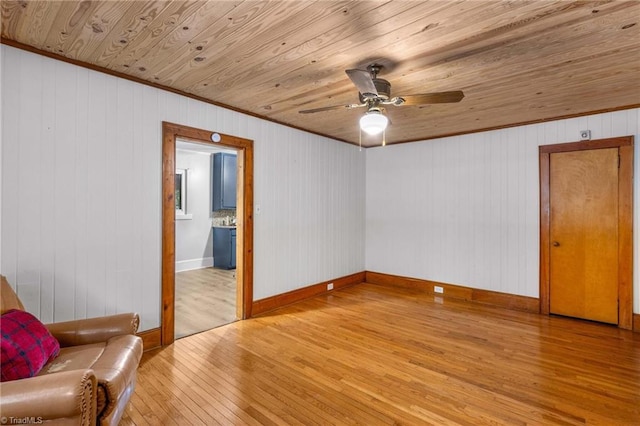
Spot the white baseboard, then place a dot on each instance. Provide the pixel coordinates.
(188, 265)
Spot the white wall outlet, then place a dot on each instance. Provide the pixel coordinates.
(330, 286)
(258, 209)
(438, 289)
(585, 135)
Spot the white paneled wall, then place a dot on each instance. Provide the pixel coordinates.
(81, 192)
(465, 210)
(326, 210)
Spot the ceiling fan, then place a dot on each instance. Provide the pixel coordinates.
(375, 94)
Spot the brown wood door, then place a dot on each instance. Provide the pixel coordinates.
(583, 248)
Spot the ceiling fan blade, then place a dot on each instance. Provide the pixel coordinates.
(329, 108)
(433, 98)
(362, 80)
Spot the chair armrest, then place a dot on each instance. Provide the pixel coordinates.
(94, 330)
(66, 395)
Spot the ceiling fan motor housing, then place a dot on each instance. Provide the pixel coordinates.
(383, 87)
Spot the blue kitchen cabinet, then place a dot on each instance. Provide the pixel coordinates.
(224, 247)
(223, 180)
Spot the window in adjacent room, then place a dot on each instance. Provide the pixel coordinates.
(181, 195)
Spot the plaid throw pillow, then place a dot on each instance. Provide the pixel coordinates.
(27, 345)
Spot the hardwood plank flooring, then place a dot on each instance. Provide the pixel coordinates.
(377, 355)
(204, 299)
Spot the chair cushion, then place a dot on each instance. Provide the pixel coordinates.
(27, 345)
(74, 358)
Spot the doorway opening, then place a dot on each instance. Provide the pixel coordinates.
(171, 207)
(581, 250)
(205, 296)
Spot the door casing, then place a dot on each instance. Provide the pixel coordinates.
(625, 221)
(244, 214)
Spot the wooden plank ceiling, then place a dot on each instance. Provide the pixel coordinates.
(516, 61)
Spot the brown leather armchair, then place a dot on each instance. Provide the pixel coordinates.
(91, 380)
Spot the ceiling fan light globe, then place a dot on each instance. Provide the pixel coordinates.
(373, 122)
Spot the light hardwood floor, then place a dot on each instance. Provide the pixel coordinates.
(377, 355)
(204, 299)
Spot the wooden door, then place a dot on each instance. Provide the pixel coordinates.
(583, 254)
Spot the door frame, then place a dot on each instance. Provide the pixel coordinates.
(244, 215)
(625, 221)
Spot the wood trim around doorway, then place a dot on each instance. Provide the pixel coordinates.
(625, 221)
(244, 264)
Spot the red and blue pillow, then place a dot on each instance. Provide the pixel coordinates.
(27, 345)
